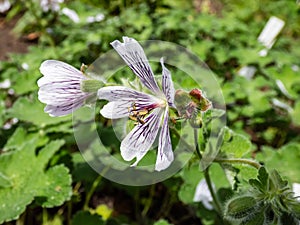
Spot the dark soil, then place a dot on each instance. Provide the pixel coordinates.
(9, 42)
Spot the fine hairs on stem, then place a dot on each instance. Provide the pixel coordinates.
(207, 176)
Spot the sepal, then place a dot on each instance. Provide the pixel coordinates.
(91, 85)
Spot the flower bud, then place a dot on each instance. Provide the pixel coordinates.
(199, 98)
(182, 100)
(240, 207)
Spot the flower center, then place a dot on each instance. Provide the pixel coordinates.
(137, 113)
(162, 103)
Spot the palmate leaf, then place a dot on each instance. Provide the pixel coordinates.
(28, 180)
(35, 115)
(234, 145)
(285, 160)
(20, 138)
(193, 174)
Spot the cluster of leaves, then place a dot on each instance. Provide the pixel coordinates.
(40, 163)
(269, 201)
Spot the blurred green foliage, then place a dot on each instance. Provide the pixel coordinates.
(223, 34)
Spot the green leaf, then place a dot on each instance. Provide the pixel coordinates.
(234, 145)
(288, 76)
(277, 180)
(56, 186)
(263, 176)
(295, 206)
(255, 219)
(296, 113)
(162, 222)
(31, 110)
(4, 181)
(16, 140)
(192, 175)
(82, 171)
(288, 219)
(240, 207)
(262, 181)
(285, 160)
(30, 180)
(20, 138)
(86, 218)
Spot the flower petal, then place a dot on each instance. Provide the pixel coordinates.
(62, 110)
(60, 88)
(133, 54)
(165, 154)
(138, 142)
(57, 93)
(167, 84)
(202, 194)
(121, 100)
(56, 69)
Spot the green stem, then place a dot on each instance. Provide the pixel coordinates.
(136, 206)
(207, 176)
(93, 188)
(240, 161)
(197, 144)
(91, 191)
(212, 192)
(149, 201)
(69, 213)
(45, 216)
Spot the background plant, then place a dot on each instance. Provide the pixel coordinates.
(36, 147)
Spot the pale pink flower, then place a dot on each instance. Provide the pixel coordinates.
(150, 110)
(60, 88)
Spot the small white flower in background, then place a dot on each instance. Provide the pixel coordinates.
(282, 88)
(60, 88)
(268, 35)
(247, 72)
(50, 5)
(11, 91)
(295, 68)
(25, 66)
(263, 52)
(282, 105)
(5, 84)
(202, 194)
(71, 14)
(98, 18)
(10, 123)
(296, 190)
(151, 111)
(4, 6)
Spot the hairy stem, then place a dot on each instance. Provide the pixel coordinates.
(207, 176)
(240, 161)
(212, 192)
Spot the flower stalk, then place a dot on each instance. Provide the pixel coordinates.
(207, 176)
(239, 161)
